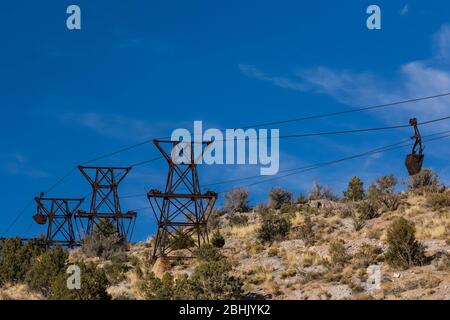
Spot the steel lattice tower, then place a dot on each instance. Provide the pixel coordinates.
(105, 202)
(182, 209)
(57, 213)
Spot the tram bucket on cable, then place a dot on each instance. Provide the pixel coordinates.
(414, 160)
(40, 218)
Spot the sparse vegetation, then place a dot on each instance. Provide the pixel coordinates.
(366, 255)
(355, 190)
(93, 285)
(181, 240)
(104, 242)
(438, 200)
(306, 232)
(217, 239)
(382, 193)
(404, 250)
(207, 252)
(273, 227)
(237, 220)
(279, 197)
(210, 281)
(338, 253)
(424, 182)
(236, 200)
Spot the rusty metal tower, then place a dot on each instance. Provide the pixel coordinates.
(181, 210)
(105, 202)
(57, 213)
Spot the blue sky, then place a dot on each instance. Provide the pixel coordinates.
(139, 69)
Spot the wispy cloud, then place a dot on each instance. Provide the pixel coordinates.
(112, 125)
(18, 164)
(412, 79)
(282, 82)
(405, 10)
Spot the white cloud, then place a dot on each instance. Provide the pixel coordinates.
(17, 164)
(281, 82)
(111, 125)
(412, 79)
(405, 10)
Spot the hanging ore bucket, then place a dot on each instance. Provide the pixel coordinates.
(40, 218)
(414, 160)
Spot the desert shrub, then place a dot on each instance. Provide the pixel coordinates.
(214, 219)
(104, 242)
(181, 240)
(16, 259)
(404, 250)
(262, 209)
(45, 270)
(287, 209)
(338, 253)
(117, 268)
(382, 192)
(306, 232)
(217, 239)
(209, 281)
(366, 255)
(423, 182)
(302, 199)
(207, 252)
(438, 200)
(273, 227)
(212, 281)
(278, 197)
(236, 200)
(93, 285)
(365, 210)
(355, 190)
(322, 192)
(328, 194)
(237, 220)
(154, 288)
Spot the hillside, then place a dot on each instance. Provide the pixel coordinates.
(326, 253)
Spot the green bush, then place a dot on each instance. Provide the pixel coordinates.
(181, 240)
(16, 259)
(278, 197)
(104, 242)
(237, 220)
(212, 281)
(404, 250)
(236, 200)
(273, 227)
(355, 190)
(365, 210)
(45, 270)
(117, 268)
(209, 281)
(93, 285)
(207, 252)
(382, 193)
(338, 254)
(263, 209)
(306, 232)
(424, 182)
(217, 239)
